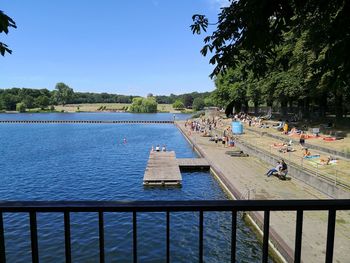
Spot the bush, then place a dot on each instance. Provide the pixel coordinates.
(143, 105)
(198, 104)
(21, 107)
(178, 105)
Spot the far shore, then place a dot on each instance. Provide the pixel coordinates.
(99, 108)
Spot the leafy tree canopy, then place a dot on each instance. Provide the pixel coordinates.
(143, 105)
(289, 51)
(5, 23)
(178, 104)
(63, 93)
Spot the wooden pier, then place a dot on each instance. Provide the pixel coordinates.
(193, 164)
(162, 169)
(88, 121)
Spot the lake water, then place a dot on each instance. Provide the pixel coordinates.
(91, 162)
(94, 116)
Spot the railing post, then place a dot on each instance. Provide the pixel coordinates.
(330, 235)
(101, 236)
(134, 226)
(167, 236)
(266, 236)
(298, 236)
(34, 237)
(200, 236)
(233, 236)
(67, 237)
(2, 240)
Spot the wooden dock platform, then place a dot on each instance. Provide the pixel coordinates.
(162, 169)
(193, 163)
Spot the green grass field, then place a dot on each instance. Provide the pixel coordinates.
(94, 107)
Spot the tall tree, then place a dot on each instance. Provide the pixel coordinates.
(63, 93)
(298, 49)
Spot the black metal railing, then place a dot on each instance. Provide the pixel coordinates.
(100, 207)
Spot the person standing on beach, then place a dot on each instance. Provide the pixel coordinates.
(216, 139)
(302, 139)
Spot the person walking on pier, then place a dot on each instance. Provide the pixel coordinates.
(223, 141)
(216, 139)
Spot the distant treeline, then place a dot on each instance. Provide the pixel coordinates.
(42, 98)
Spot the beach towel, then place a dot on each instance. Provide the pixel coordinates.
(319, 164)
(329, 139)
(312, 156)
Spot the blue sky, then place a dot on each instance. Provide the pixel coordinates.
(115, 46)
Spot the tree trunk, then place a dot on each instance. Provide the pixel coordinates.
(306, 108)
(256, 107)
(246, 106)
(323, 105)
(238, 107)
(291, 110)
(284, 107)
(339, 106)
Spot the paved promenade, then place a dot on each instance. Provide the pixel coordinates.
(249, 173)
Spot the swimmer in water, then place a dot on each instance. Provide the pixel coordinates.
(124, 140)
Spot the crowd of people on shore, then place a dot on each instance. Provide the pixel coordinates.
(206, 127)
(250, 120)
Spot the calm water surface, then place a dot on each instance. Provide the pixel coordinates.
(93, 116)
(91, 162)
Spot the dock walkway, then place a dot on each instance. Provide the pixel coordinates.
(193, 163)
(162, 169)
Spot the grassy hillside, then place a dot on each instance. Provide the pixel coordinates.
(96, 107)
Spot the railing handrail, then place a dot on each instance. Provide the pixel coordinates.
(67, 207)
(159, 206)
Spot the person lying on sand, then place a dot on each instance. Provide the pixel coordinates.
(306, 152)
(325, 161)
(286, 148)
(328, 160)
